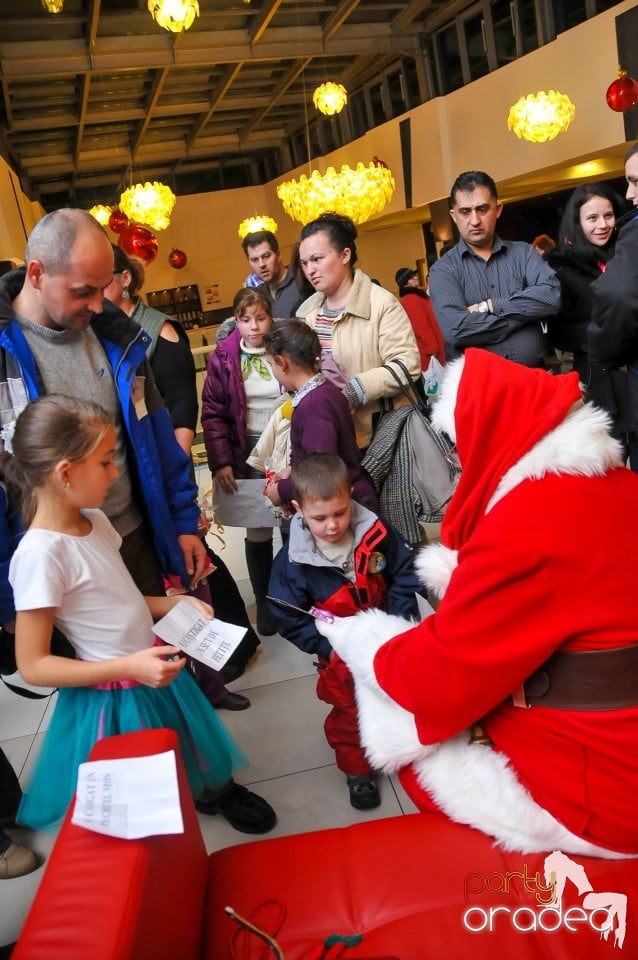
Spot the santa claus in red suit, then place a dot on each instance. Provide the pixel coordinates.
(536, 632)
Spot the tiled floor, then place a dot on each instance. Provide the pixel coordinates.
(290, 763)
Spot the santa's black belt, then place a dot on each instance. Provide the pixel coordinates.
(583, 680)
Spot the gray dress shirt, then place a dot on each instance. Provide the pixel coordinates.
(524, 291)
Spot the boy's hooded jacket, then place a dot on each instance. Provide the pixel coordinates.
(384, 577)
(536, 555)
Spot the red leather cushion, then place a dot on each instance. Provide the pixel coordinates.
(403, 884)
(111, 899)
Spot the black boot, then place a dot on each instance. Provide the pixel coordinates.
(259, 562)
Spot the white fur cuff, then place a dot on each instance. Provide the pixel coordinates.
(435, 565)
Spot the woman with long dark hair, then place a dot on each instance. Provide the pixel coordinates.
(587, 238)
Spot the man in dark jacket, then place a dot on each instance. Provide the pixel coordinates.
(278, 282)
(613, 331)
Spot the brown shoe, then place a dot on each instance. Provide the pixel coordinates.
(17, 861)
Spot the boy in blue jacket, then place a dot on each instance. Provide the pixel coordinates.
(340, 558)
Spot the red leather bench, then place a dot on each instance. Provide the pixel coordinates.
(415, 887)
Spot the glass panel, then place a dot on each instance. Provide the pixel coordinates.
(432, 46)
(605, 5)
(298, 148)
(448, 57)
(474, 43)
(411, 83)
(315, 146)
(504, 39)
(527, 24)
(376, 102)
(569, 13)
(357, 114)
(329, 132)
(395, 88)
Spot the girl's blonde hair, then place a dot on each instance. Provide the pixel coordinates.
(49, 430)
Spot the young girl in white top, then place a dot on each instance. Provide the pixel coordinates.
(67, 572)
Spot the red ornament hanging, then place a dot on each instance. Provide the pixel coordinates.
(139, 242)
(118, 220)
(177, 259)
(622, 94)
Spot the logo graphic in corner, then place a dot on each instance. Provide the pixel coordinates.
(604, 912)
(559, 869)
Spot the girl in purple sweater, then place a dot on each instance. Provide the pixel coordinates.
(321, 420)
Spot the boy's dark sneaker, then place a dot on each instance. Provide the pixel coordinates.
(244, 810)
(364, 793)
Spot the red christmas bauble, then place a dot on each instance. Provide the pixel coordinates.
(177, 259)
(118, 220)
(138, 242)
(622, 94)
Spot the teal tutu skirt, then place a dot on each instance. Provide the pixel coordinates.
(84, 715)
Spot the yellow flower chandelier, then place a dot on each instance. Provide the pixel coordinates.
(149, 203)
(53, 6)
(101, 213)
(541, 116)
(255, 224)
(356, 193)
(174, 15)
(330, 98)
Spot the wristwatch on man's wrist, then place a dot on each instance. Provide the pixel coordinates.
(483, 306)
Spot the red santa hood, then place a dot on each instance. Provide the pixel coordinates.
(500, 411)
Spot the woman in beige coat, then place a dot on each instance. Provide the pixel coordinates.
(360, 325)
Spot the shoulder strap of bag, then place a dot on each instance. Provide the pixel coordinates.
(441, 440)
(406, 385)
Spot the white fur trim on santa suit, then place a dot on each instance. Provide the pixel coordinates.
(435, 564)
(475, 785)
(388, 732)
(581, 446)
(472, 783)
(445, 403)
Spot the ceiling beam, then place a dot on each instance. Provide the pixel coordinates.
(22, 60)
(264, 19)
(93, 19)
(286, 81)
(156, 90)
(215, 99)
(406, 17)
(339, 16)
(84, 99)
